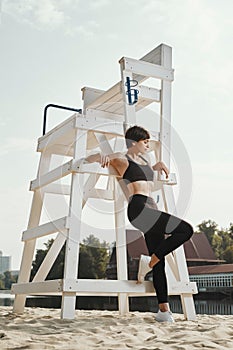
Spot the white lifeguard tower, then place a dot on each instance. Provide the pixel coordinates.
(104, 118)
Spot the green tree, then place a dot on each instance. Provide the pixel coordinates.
(56, 271)
(8, 279)
(230, 231)
(209, 228)
(217, 245)
(93, 259)
(228, 254)
(221, 240)
(2, 284)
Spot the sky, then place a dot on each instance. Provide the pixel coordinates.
(50, 49)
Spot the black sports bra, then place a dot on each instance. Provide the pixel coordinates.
(138, 172)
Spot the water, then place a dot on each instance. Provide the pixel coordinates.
(203, 305)
(206, 306)
(6, 298)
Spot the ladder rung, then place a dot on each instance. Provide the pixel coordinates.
(58, 189)
(54, 134)
(45, 287)
(100, 287)
(124, 286)
(147, 69)
(64, 134)
(52, 176)
(46, 229)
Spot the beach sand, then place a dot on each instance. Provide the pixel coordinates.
(40, 328)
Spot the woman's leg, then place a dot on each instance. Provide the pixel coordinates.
(155, 224)
(159, 275)
(159, 247)
(143, 217)
(179, 231)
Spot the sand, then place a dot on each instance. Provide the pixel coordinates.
(40, 328)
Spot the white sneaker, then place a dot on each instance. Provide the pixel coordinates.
(143, 268)
(165, 316)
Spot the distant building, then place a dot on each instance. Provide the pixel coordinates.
(5, 263)
(213, 278)
(199, 252)
(210, 273)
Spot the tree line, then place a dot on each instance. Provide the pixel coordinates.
(221, 240)
(94, 255)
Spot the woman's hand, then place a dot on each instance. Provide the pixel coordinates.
(104, 160)
(161, 167)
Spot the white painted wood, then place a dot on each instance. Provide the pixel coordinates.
(89, 95)
(147, 69)
(99, 113)
(121, 247)
(93, 168)
(29, 247)
(58, 189)
(148, 93)
(74, 234)
(46, 229)
(89, 187)
(169, 199)
(50, 257)
(104, 144)
(64, 133)
(165, 122)
(172, 264)
(64, 149)
(188, 306)
(154, 56)
(101, 194)
(56, 133)
(51, 176)
(99, 287)
(124, 286)
(165, 109)
(62, 142)
(101, 125)
(108, 95)
(53, 286)
(129, 110)
(68, 305)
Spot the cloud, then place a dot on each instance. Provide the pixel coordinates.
(43, 13)
(13, 144)
(48, 14)
(65, 15)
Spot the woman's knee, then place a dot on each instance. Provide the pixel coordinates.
(188, 230)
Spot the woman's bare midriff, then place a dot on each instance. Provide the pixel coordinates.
(140, 187)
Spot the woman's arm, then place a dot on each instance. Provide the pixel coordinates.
(161, 167)
(105, 160)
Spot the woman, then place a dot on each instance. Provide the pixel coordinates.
(143, 213)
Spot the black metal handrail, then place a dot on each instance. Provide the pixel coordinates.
(56, 106)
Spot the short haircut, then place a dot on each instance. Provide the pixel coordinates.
(135, 133)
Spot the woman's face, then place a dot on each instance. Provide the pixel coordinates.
(143, 146)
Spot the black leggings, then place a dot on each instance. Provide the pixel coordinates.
(145, 216)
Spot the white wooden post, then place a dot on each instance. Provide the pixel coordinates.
(74, 232)
(129, 110)
(167, 191)
(121, 247)
(29, 246)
